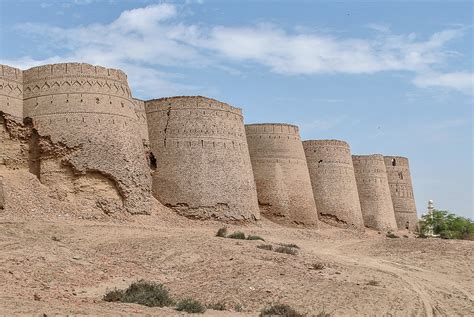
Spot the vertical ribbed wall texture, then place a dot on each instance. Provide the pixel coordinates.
(281, 174)
(203, 167)
(374, 192)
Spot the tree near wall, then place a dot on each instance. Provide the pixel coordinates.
(447, 225)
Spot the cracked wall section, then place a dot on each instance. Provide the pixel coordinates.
(90, 109)
(203, 168)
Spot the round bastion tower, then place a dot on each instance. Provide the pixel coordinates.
(11, 92)
(374, 192)
(399, 180)
(12, 152)
(281, 174)
(203, 167)
(333, 181)
(88, 114)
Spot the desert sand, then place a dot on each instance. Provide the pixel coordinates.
(60, 258)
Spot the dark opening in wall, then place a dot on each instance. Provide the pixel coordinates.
(320, 161)
(394, 162)
(152, 161)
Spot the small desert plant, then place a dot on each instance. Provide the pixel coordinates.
(115, 295)
(54, 238)
(287, 250)
(318, 266)
(252, 237)
(238, 307)
(237, 235)
(391, 235)
(280, 310)
(323, 314)
(190, 305)
(216, 306)
(289, 245)
(222, 232)
(265, 247)
(150, 294)
(373, 283)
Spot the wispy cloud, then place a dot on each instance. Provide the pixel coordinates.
(461, 81)
(156, 36)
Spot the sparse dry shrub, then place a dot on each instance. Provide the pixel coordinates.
(217, 306)
(391, 235)
(268, 247)
(286, 250)
(145, 293)
(280, 310)
(373, 283)
(289, 245)
(190, 305)
(237, 235)
(318, 266)
(222, 232)
(254, 237)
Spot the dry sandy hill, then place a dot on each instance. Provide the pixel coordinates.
(57, 257)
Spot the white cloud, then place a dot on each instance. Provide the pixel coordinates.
(461, 81)
(155, 36)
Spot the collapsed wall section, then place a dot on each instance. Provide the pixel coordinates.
(203, 168)
(333, 182)
(374, 192)
(401, 189)
(88, 110)
(281, 174)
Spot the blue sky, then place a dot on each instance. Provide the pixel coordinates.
(390, 77)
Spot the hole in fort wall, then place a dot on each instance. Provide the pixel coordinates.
(152, 161)
(394, 162)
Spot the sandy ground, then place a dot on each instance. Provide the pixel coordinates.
(53, 261)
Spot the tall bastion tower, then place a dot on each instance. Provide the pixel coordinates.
(401, 189)
(281, 174)
(203, 167)
(333, 181)
(374, 192)
(84, 130)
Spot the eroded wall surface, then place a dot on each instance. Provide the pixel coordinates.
(88, 114)
(203, 167)
(374, 192)
(333, 182)
(401, 189)
(281, 174)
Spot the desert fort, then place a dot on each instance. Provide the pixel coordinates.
(98, 189)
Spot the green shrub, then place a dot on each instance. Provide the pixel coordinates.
(268, 247)
(190, 305)
(222, 232)
(289, 245)
(287, 250)
(251, 237)
(150, 294)
(237, 235)
(280, 310)
(447, 225)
